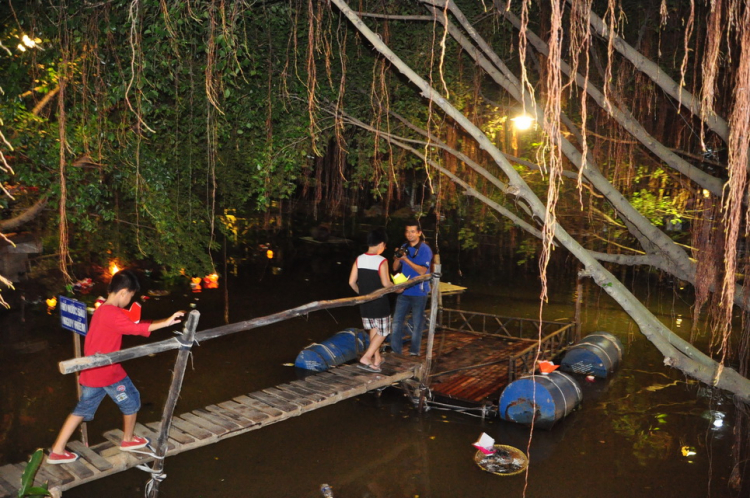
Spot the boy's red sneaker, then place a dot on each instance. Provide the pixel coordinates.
(135, 444)
(64, 457)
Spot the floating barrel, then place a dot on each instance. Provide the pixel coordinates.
(545, 399)
(338, 349)
(598, 354)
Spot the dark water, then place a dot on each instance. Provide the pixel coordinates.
(626, 440)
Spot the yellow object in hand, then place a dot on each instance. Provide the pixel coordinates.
(399, 278)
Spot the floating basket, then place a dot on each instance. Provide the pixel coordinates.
(506, 461)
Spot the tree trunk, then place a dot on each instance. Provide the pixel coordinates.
(677, 352)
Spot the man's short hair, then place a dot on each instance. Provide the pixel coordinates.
(376, 236)
(123, 279)
(413, 222)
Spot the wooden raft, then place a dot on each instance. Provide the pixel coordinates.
(475, 385)
(214, 423)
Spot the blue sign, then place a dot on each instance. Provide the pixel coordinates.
(73, 315)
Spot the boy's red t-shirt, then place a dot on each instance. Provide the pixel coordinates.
(108, 325)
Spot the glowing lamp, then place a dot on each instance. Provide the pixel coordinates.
(52, 302)
(113, 268)
(523, 122)
(269, 254)
(211, 281)
(706, 193)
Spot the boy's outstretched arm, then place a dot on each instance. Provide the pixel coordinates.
(166, 322)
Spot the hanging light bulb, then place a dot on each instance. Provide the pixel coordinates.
(523, 122)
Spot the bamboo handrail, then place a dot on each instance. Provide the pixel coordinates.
(99, 360)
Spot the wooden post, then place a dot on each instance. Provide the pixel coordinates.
(579, 299)
(174, 393)
(424, 381)
(77, 353)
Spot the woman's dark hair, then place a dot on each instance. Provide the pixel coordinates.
(377, 236)
(123, 279)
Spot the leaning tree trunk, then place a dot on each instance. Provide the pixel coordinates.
(686, 358)
(671, 258)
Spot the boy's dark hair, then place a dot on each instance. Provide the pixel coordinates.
(123, 279)
(413, 222)
(376, 236)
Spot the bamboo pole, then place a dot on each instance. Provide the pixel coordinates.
(78, 352)
(435, 298)
(98, 360)
(579, 300)
(186, 344)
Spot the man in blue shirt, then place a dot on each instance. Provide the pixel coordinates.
(414, 262)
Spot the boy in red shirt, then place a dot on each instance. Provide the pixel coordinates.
(108, 325)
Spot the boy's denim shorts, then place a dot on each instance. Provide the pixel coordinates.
(123, 393)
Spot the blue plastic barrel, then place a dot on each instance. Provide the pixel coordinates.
(598, 354)
(545, 399)
(340, 348)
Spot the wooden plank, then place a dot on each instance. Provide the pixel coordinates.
(322, 390)
(337, 380)
(61, 475)
(5, 491)
(11, 474)
(245, 411)
(175, 435)
(191, 429)
(326, 389)
(11, 490)
(302, 391)
(136, 457)
(342, 389)
(80, 470)
(91, 456)
(275, 402)
(231, 415)
(202, 422)
(227, 423)
(44, 476)
(256, 405)
(349, 372)
(143, 431)
(293, 398)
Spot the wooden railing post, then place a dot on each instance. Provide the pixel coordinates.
(424, 381)
(178, 375)
(579, 300)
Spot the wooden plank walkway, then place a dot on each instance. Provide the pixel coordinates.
(214, 423)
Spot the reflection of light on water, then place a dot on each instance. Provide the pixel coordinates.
(688, 451)
(678, 322)
(716, 419)
(718, 422)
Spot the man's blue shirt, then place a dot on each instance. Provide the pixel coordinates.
(420, 255)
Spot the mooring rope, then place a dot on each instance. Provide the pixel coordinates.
(156, 475)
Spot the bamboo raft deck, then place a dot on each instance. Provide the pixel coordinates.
(478, 354)
(483, 382)
(213, 423)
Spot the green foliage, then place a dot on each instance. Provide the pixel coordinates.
(29, 473)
